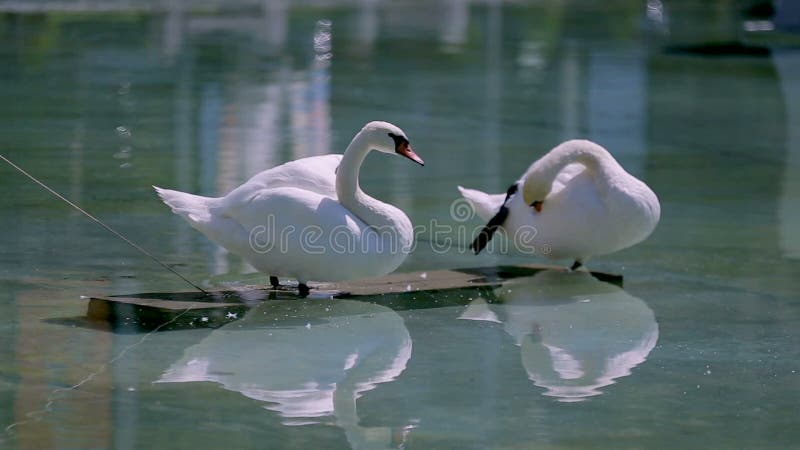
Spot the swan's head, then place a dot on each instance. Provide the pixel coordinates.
(388, 138)
(534, 191)
(539, 178)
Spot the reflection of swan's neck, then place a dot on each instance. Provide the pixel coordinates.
(370, 210)
(360, 437)
(598, 162)
(344, 405)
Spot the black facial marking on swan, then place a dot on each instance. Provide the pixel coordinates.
(398, 141)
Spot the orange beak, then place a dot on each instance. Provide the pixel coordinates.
(537, 205)
(408, 152)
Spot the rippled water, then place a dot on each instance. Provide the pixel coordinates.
(698, 350)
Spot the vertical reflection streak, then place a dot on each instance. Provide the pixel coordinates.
(787, 64)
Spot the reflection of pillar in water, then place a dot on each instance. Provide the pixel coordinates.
(310, 96)
(174, 28)
(616, 104)
(321, 87)
(76, 160)
(260, 109)
(494, 92)
(570, 89)
(787, 63)
(366, 31)
(454, 24)
(298, 116)
(491, 170)
(276, 27)
(184, 146)
(210, 118)
(211, 121)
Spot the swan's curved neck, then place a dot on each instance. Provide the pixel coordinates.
(370, 210)
(347, 187)
(596, 159)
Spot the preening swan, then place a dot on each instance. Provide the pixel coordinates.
(574, 202)
(309, 218)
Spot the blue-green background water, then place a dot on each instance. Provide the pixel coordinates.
(698, 351)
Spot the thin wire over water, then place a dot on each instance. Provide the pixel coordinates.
(101, 223)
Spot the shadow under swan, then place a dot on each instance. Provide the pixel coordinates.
(307, 360)
(576, 334)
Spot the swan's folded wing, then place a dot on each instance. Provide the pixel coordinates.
(315, 174)
(286, 212)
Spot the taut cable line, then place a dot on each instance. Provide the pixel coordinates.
(100, 222)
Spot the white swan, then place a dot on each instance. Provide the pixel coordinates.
(309, 218)
(575, 202)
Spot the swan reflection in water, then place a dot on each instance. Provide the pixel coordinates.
(309, 361)
(576, 334)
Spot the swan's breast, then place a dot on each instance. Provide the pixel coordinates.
(635, 206)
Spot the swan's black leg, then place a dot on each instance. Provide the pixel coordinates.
(303, 288)
(273, 280)
(576, 265)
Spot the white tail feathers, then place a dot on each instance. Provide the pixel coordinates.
(192, 207)
(486, 205)
(204, 215)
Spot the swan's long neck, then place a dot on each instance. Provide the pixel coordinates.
(370, 210)
(595, 158)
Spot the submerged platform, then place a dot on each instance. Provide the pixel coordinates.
(154, 310)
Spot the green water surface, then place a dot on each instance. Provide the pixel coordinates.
(699, 350)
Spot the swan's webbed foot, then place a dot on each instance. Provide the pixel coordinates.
(303, 289)
(576, 265)
(273, 280)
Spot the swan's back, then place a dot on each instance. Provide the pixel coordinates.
(315, 174)
(591, 214)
